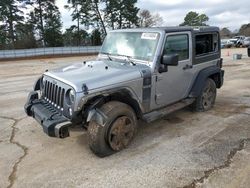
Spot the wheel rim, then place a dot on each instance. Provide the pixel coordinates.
(121, 133)
(208, 97)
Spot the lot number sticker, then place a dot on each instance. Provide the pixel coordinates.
(149, 36)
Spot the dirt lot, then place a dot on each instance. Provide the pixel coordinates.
(184, 149)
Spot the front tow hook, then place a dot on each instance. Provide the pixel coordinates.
(61, 130)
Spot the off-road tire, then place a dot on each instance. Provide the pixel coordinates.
(99, 136)
(205, 101)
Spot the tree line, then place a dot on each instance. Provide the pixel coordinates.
(37, 23)
(227, 33)
(195, 19)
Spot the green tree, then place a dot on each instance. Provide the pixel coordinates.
(146, 19)
(10, 15)
(129, 14)
(245, 30)
(40, 8)
(96, 39)
(195, 19)
(97, 14)
(225, 33)
(86, 13)
(52, 28)
(71, 37)
(111, 11)
(3, 37)
(80, 12)
(25, 36)
(121, 13)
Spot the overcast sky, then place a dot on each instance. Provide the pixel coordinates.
(223, 13)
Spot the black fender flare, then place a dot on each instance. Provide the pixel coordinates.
(38, 83)
(216, 73)
(33, 95)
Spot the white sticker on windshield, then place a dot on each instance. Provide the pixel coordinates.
(149, 36)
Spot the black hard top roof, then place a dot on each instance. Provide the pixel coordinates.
(201, 29)
(188, 28)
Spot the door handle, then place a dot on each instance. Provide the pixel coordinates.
(187, 67)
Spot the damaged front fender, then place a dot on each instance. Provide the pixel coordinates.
(98, 116)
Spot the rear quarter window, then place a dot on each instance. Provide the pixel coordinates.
(206, 44)
(206, 47)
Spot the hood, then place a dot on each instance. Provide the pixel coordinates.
(97, 74)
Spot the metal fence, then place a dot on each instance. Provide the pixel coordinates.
(6, 54)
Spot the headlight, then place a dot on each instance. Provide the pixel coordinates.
(70, 97)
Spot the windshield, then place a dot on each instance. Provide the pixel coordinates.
(137, 45)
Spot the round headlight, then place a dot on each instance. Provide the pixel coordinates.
(71, 96)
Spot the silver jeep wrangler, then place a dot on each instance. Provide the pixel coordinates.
(139, 74)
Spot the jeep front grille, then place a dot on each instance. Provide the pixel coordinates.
(54, 94)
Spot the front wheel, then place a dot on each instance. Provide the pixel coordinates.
(205, 101)
(117, 132)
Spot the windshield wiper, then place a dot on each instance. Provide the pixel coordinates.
(129, 60)
(108, 55)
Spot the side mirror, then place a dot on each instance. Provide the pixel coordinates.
(170, 60)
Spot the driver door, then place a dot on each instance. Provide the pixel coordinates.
(173, 85)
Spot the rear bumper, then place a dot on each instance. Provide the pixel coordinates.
(54, 124)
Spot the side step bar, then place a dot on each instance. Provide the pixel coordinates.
(157, 114)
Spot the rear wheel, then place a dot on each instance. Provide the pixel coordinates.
(207, 97)
(117, 132)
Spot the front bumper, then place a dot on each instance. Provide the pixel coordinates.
(53, 122)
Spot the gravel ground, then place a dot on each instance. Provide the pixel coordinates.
(184, 149)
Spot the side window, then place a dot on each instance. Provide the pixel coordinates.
(206, 43)
(177, 44)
